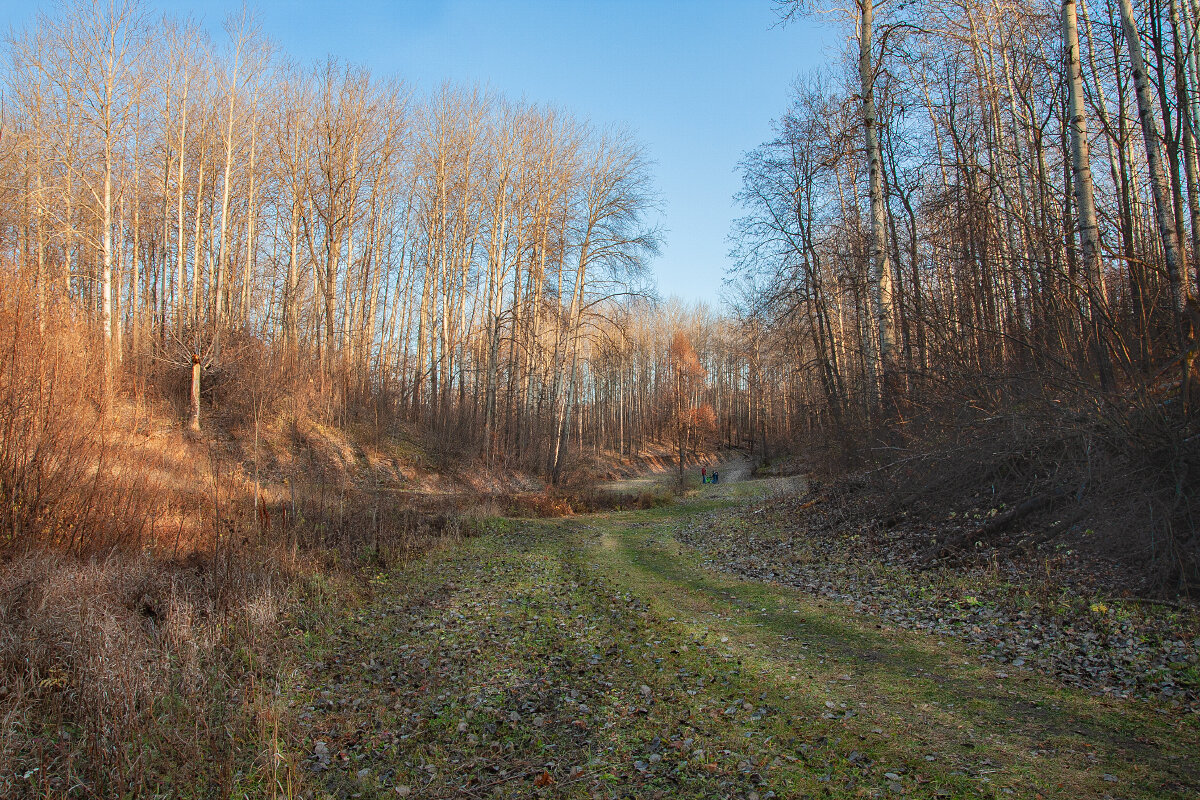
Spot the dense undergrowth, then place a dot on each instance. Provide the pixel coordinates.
(1023, 472)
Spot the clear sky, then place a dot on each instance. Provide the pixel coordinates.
(697, 81)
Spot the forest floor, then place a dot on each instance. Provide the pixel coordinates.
(602, 656)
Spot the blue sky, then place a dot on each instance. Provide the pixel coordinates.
(697, 81)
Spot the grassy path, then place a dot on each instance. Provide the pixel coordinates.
(595, 657)
(733, 469)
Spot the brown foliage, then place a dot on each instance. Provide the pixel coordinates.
(71, 476)
(143, 572)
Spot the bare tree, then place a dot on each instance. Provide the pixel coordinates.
(1158, 179)
(1089, 229)
(100, 51)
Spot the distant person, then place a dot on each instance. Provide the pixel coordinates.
(704, 474)
(715, 476)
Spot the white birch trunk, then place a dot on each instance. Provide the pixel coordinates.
(881, 285)
(1085, 204)
(223, 253)
(180, 303)
(1158, 179)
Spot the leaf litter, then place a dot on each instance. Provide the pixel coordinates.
(1031, 614)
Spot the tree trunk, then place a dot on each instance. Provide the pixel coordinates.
(106, 277)
(1188, 137)
(180, 304)
(1089, 230)
(881, 284)
(223, 253)
(194, 420)
(1158, 179)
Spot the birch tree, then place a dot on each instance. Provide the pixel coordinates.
(1158, 180)
(1089, 230)
(102, 46)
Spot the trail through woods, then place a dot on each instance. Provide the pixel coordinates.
(599, 656)
(731, 469)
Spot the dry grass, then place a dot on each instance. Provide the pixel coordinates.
(148, 577)
(126, 674)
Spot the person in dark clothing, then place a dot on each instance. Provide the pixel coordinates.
(714, 480)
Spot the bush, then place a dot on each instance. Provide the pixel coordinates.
(1125, 469)
(67, 476)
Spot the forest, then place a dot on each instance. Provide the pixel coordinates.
(978, 239)
(287, 347)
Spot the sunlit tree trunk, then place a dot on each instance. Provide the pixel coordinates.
(1158, 179)
(881, 284)
(1089, 230)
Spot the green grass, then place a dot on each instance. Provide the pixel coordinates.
(596, 656)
